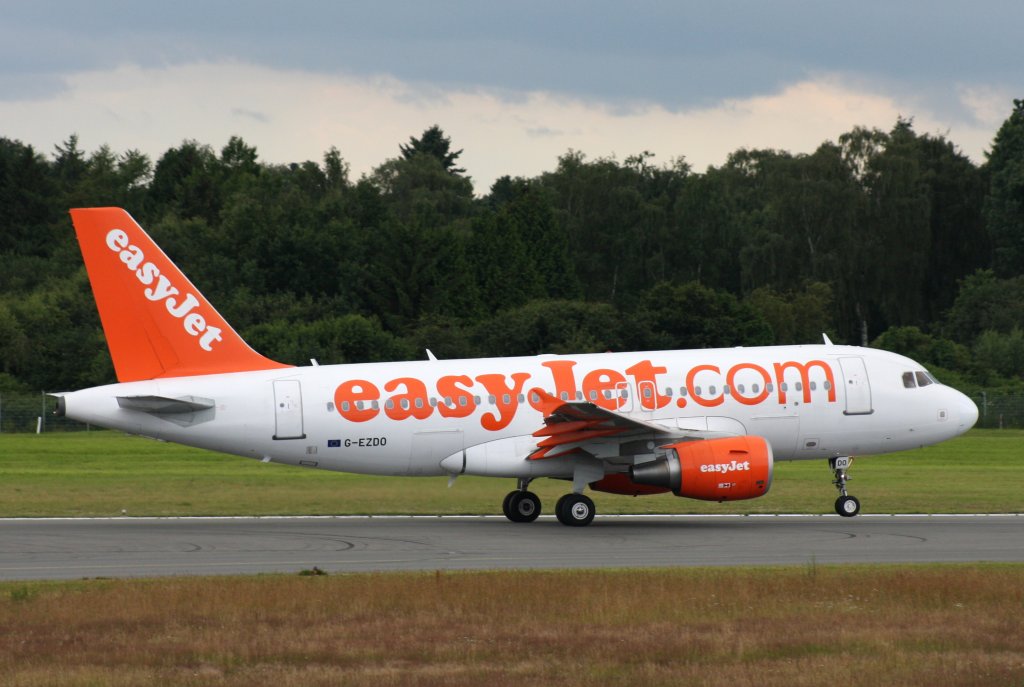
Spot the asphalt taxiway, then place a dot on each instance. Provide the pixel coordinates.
(143, 547)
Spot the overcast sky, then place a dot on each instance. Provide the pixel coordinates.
(515, 84)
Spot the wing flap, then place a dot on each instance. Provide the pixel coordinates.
(569, 425)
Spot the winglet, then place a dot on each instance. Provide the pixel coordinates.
(156, 322)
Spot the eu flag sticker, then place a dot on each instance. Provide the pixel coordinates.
(334, 443)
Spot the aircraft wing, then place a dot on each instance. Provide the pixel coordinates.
(570, 425)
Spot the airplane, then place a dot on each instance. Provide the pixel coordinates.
(704, 424)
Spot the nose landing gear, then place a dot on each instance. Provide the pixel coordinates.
(846, 505)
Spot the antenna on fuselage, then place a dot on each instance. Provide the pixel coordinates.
(828, 341)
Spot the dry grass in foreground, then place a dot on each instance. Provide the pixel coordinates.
(937, 625)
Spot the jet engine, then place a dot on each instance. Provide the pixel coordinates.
(728, 469)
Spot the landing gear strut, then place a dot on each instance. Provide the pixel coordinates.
(846, 505)
(521, 505)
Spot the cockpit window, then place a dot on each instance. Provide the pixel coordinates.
(924, 379)
(908, 380)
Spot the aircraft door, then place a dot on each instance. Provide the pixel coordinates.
(288, 410)
(623, 398)
(647, 397)
(858, 389)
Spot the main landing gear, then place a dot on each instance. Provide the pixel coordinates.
(574, 510)
(521, 505)
(846, 505)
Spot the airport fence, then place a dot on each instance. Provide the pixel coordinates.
(34, 412)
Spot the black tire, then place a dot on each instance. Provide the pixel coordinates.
(521, 506)
(847, 506)
(560, 506)
(575, 510)
(526, 508)
(505, 504)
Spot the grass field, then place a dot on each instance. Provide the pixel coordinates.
(812, 625)
(106, 473)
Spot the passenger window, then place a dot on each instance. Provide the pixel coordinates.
(908, 380)
(506, 399)
(668, 391)
(593, 395)
(647, 392)
(813, 385)
(419, 402)
(682, 391)
(923, 379)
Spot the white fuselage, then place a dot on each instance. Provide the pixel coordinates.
(477, 416)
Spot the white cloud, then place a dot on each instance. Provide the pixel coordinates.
(292, 116)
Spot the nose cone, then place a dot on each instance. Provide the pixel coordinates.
(968, 412)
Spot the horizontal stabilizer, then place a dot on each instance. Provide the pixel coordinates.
(162, 405)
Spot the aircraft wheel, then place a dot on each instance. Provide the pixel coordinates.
(521, 506)
(575, 510)
(506, 502)
(847, 506)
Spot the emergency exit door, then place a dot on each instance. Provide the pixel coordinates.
(288, 410)
(858, 389)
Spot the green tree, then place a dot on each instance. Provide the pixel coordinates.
(186, 180)
(694, 316)
(435, 144)
(27, 208)
(551, 326)
(796, 317)
(336, 339)
(1004, 205)
(985, 302)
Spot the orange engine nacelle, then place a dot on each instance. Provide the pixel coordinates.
(727, 469)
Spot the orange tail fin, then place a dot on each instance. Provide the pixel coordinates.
(156, 322)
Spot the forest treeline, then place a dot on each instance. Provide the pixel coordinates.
(891, 238)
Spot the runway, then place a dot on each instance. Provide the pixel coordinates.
(147, 547)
